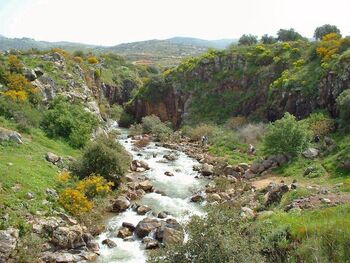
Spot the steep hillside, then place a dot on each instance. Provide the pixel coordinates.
(260, 81)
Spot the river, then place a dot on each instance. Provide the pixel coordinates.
(178, 189)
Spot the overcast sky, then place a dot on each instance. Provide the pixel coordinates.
(109, 22)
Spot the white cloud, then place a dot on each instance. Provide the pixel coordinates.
(110, 22)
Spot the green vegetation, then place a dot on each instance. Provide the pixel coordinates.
(286, 135)
(69, 121)
(104, 157)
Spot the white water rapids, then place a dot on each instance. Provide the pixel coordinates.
(178, 189)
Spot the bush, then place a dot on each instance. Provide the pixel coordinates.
(105, 157)
(93, 60)
(152, 124)
(320, 124)
(343, 103)
(75, 201)
(69, 121)
(115, 112)
(219, 237)
(94, 185)
(136, 129)
(236, 122)
(126, 119)
(286, 135)
(196, 134)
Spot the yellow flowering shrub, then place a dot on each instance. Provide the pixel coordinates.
(19, 88)
(329, 46)
(78, 59)
(92, 60)
(15, 64)
(75, 201)
(64, 177)
(94, 185)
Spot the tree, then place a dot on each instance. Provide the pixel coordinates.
(326, 29)
(285, 35)
(286, 136)
(266, 39)
(248, 40)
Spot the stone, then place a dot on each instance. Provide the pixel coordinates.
(52, 193)
(30, 195)
(124, 232)
(196, 168)
(274, 196)
(244, 166)
(143, 209)
(145, 226)
(326, 201)
(162, 215)
(128, 225)
(30, 75)
(247, 212)
(68, 237)
(60, 257)
(170, 157)
(207, 169)
(9, 135)
(52, 158)
(145, 186)
(257, 168)
(311, 153)
(167, 173)
(215, 197)
(120, 204)
(8, 243)
(197, 198)
(38, 72)
(150, 243)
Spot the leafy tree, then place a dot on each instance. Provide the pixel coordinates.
(285, 35)
(343, 103)
(286, 135)
(266, 39)
(248, 40)
(326, 29)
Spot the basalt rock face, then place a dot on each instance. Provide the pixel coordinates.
(119, 94)
(224, 82)
(170, 108)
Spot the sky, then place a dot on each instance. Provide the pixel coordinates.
(110, 22)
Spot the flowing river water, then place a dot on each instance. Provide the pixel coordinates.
(178, 189)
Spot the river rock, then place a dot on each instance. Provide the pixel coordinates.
(197, 198)
(170, 157)
(145, 186)
(143, 209)
(145, 226)
(68, 237)
(120, 204)
(124, 232)
(150, 243)
(207, 169)
(8, 243)
(170, 233)
(167, 173)
(162, 215)
(128, 225)
(109, 243)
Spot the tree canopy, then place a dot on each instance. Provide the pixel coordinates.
(326, 29)
(248, 40)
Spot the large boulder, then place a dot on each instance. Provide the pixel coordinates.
(30, 74)
(8, 243)
(109, 243)
(143, 209)
(120, 204)
(52, 158)
(170, 233)
(145, 226)
(68, 237)
(274, 196)
(9, 135)
(124, 232)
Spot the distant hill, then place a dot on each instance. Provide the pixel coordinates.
(166, 52)
(218, 44)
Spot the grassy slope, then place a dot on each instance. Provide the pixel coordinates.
(30, 171)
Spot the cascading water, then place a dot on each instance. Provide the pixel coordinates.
(176, 201)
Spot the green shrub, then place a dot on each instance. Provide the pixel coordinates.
(136, 129)
(126, 119)
(104, 157)
(219, 237)
(199, 131)
(115, 112)
(320, 123)
(343, 103)
(286, 135)
(252, 132)
(152, 124)
(69, 121)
